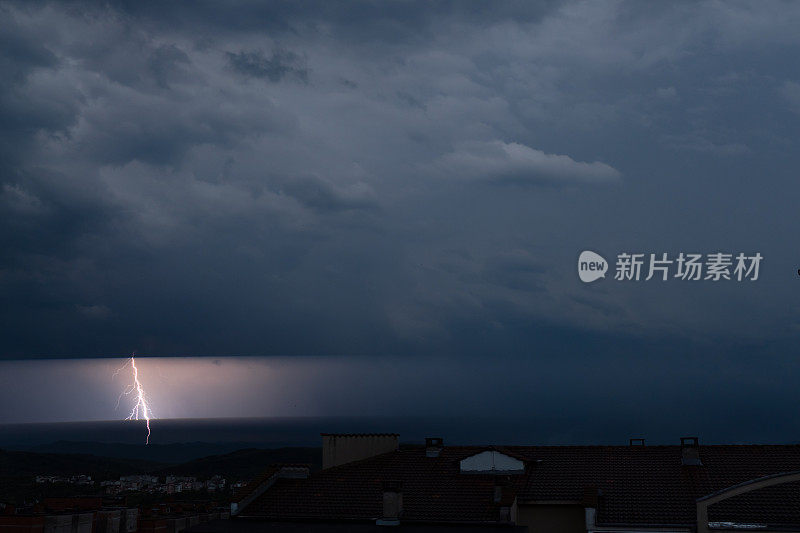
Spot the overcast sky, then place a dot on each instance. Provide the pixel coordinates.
(404, 180)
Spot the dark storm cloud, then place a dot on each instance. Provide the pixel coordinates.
(280, 64)
(352, 21)
(316, 194)
(20, 51)
(390, 178)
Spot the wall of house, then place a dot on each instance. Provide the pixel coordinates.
(107, 521)
(129, 521)
(21, 524)
(552, 518)
(58, 524)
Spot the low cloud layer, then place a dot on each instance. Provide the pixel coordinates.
(280, 64)
(496, 160)
(509, 401)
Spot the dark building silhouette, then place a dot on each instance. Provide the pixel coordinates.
(527, 488)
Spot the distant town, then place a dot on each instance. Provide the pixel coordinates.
(145, 483)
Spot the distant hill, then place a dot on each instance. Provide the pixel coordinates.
(244, 464)
(19, 468)
(28, 464)
(163, 453)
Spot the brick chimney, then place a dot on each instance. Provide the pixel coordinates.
(690, 451)
(392, 503)
(433, 445)
(342, 448)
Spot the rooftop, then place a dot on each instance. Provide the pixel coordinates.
(626, 484)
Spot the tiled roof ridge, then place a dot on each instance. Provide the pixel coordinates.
(509, 451)
(263, 476)
(359, 434)
(500, 447)
(254, 483)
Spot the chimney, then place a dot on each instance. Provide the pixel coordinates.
(690, 451)
(392, 503)
(342, 448)
(433, 445)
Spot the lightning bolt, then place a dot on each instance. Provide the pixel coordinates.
(140, 408)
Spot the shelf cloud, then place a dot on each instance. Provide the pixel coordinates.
(500, 161)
